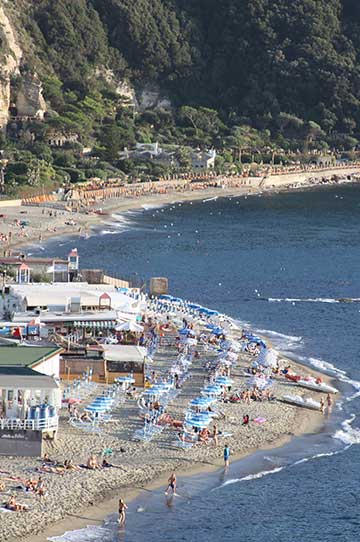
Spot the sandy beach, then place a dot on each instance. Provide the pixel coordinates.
(75, 499)
(76, 495)
(24, 224)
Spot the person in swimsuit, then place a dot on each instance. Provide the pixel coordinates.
(215, 435)
(329, 403)
(226, 455)
(122, 512)
(171, 484)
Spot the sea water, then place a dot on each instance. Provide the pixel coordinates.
(288, 266)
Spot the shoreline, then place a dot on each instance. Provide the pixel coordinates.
(86, 223)
(92, 515)
(147, 465)
(313, 421)
(306, 422)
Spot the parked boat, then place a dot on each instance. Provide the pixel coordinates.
(318, 386)
(306, 402)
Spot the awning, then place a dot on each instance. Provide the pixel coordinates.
(119, 352)
(92, 324)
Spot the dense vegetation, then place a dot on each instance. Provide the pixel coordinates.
(242, 75)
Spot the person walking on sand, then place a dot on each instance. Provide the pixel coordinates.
(122, 512)
(226, 455)
(329, 402)
(171, 484)
(322, 406)
(216, 435)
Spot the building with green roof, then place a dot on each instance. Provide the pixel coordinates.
(42, 359)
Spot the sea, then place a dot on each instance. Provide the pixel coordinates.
(288, 266)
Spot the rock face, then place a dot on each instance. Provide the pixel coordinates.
(9, 65)
(30, 101)
(151, 98)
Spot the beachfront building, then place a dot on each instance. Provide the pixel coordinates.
(24, 269)
(29, 398)
(123, 360)
(106, 363)
(69, 313)
(42, 359)
(71, 297)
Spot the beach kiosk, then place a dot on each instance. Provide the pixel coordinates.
(29, 403)
(124, 360)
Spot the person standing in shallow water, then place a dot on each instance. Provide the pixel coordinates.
(171, 484)
(122, 512)
(226, 455)
(329, 403)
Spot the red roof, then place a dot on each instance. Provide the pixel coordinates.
(105, 296)
(24, 267)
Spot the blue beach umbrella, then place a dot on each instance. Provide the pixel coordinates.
(212, 390)
(223, 381)
(200, 401)
(96, 408)
(198, 423)
(218, 331)
(194, 306)
(185, 331)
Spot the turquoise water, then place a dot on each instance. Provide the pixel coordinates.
(279, 263)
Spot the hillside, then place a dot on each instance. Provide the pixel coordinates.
(258, 75)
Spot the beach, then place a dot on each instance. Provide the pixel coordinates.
(22, 225)
(76, 495)
(143, 463)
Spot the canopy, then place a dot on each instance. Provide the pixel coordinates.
(119, 352)
(129, 326)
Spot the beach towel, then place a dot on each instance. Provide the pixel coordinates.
(259, 420)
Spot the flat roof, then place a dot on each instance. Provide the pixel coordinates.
(25, 356)
(25, 378)
(119, 352)
(13, 260)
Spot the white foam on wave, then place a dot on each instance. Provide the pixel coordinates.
(151, 206)
(255, 476)
(91, 533)
(210, 199)
(281, 339)
(348, 434)
(321, 365)
(37, 247)
(109, 232)
(318, 456)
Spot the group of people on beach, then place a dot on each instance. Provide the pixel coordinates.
(326, 405)
(171, 486)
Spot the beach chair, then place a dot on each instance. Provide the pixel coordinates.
(185, 442)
